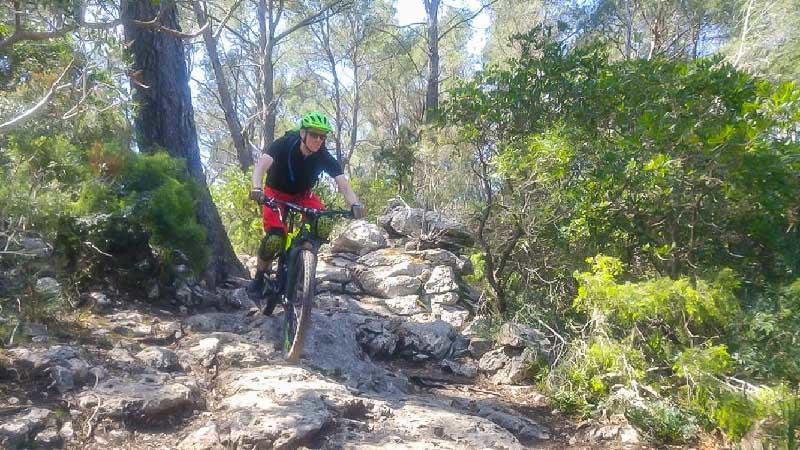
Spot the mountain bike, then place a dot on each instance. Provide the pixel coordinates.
(293, 283)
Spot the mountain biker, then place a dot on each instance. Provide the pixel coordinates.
(293, 164)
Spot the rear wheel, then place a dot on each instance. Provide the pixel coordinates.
(301, 287)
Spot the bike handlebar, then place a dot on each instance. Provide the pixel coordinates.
(271, 202)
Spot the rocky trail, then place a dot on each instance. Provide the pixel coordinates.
(394, 360)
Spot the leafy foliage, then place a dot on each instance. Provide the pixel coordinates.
(240, 215)
(685, 174)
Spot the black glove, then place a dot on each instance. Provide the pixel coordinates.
(257, 195)
(358, 211)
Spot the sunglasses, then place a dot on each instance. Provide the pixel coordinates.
(315, 135)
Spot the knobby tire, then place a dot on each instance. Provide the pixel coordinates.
(304, 267)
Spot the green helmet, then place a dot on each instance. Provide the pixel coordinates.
(316, 119)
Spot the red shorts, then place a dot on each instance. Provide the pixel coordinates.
(271, 217)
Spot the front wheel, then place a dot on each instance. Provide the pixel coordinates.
(300, 298)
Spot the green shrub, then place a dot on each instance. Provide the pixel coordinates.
(240, 215)
(735, 414)
(375, 194)
(663, 423)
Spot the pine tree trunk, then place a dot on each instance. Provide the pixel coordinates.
(432, 88)
(165, 116)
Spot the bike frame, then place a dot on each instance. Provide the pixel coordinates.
(306, 236)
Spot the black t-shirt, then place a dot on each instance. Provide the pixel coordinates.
(293, 173)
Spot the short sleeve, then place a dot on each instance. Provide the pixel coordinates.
(330, 165)
(275, 148)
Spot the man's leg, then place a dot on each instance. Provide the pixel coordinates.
(270, 247)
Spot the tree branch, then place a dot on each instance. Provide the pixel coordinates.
(27, 115)
(20, 34)
(466, 19)
(311, 19)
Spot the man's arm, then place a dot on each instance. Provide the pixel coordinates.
(263, 164)
(346, 190)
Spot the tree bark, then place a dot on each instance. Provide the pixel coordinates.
(325, 37)
(165, 117)
(432, 89)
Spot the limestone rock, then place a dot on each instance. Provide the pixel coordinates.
(468, 369)
(276, 406)
(523, 428)
(479, 346)
(208, 322)
(20, 428)
(508, 365)
(442, 279)
(429, 424)
(407, 305)
(204, 438)
(519, 336)
(359, 237)
(47, 287)
(331, 273)
(61, 365)
(431, 226)
(143, 399)
(455, 316)
(159, 358)
(448, 298)
(442, 257)
(36, 247)
(47, 438)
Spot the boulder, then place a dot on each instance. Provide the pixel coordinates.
(388, 273)
(427, 340)
(327, 272)
(203, 438)
(479, 346)
(61, 366)
(516, 335)
(467, 369)
(226, 349)
(431, 424)
(144, 399)
(448, 299)
(436, 340)
(276, 406)
(332, 348)
(209, 322)
(525, 429)
(442, 257)
(455, 316)
(20, 428)
(378, 339)
(47, 287)
(100, 299)
(389, 282)
(442, 279)
(407, 305)
(508, 365)
(48, 438)
(359, 237)
(35, 247)
(432, 226)
(130, 324)
(159, 358)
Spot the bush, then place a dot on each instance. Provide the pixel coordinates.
(240, 215)
(663, 423)
(687, 330)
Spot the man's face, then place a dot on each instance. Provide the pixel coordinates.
(313, 138)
